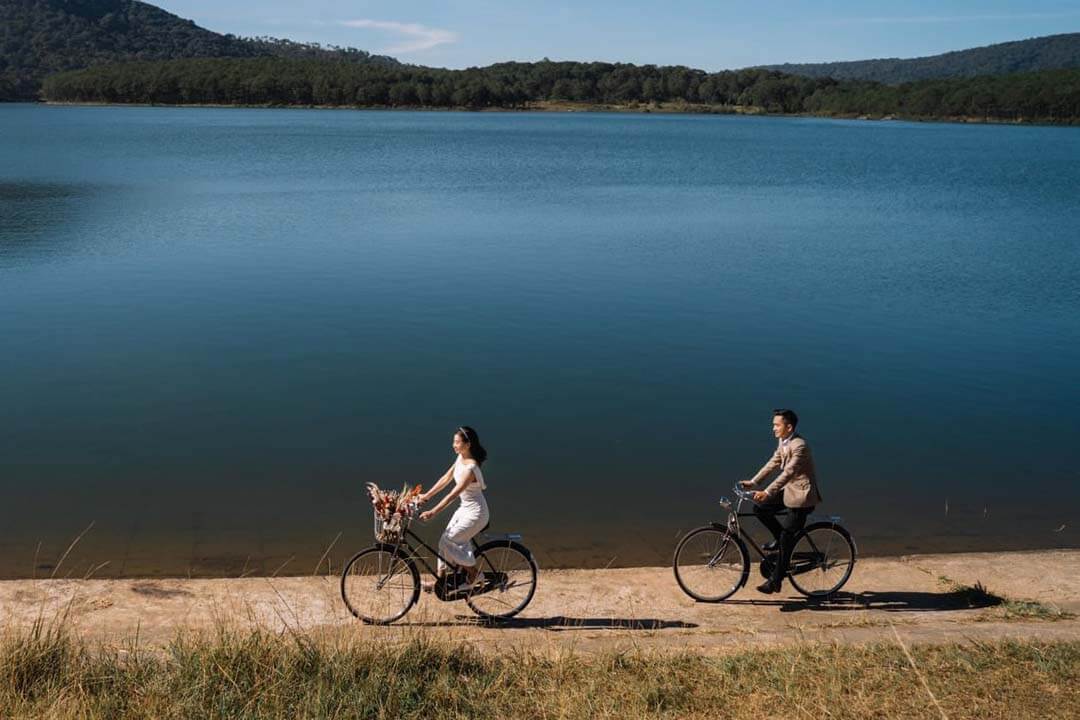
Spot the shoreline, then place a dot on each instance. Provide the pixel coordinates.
(89, 559)
(926, 598)
(567, 107)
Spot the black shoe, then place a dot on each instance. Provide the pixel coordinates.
(771, 546)
(768, 587)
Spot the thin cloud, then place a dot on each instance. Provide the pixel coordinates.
(929, 19)
(416, 37)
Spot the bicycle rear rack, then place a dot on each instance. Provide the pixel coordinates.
(491, 537)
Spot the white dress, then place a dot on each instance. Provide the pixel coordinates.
(468, 520)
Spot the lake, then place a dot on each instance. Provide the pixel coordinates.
(218, 324)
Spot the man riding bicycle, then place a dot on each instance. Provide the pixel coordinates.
(784, 505)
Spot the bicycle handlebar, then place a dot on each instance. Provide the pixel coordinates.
(740, 494)
(743, 494)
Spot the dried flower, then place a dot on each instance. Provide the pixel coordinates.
(393, 509)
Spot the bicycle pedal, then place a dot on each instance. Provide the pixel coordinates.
(449, 587)
(459, 593)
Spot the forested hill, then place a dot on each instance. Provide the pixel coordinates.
(1048, 96)
(39, 37)
(1052, 52)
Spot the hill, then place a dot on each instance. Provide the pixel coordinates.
(1048, 96)
(39, 37)
(1053, 52)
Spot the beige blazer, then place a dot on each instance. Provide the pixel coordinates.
(797, 477)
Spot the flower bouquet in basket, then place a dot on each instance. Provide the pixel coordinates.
(392, 508)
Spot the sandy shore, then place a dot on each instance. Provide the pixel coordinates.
(920, 596)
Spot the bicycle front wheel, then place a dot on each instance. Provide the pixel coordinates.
(380, 584)
(509, 580)
(822, 559)
(711, 564)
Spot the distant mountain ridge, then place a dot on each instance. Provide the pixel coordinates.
(39, 37)
(1052, 52)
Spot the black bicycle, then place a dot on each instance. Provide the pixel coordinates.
(382, 583)
(712, 562)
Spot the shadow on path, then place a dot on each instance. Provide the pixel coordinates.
(561, 623)
(964, 598)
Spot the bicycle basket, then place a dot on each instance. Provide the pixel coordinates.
(389, 532)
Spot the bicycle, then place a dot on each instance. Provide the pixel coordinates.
(381, 583)
(712, 562)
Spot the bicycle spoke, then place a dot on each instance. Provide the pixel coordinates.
(499, 601)
(378, 586)
(709, 564)
(511, 584)
(823, 557)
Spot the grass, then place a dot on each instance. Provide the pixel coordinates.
(47, 672)
(1005, 608)
(1033, 610)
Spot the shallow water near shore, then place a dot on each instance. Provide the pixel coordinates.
(219, 323)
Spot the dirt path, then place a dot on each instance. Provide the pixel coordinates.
(923, 597)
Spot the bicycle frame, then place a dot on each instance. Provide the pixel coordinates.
(414, 555)
(734, 527)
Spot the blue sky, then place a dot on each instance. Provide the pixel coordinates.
(713, 35)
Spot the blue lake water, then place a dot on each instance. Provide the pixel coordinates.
(218, 324)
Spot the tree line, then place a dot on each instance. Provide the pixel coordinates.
(1045, 96)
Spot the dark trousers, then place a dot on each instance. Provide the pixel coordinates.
(784, 523)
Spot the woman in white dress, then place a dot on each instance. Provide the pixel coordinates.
(472, 514)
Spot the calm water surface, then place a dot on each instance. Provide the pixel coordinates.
(218, 324)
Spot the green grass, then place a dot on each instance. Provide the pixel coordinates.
(46, 672)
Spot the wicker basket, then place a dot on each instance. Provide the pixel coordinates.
(387, 533)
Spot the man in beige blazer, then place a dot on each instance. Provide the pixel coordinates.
(784, 505)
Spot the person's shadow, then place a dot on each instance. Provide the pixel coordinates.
(961, 598)
(562, 622)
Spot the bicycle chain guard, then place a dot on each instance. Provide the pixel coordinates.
(446, 586)
(455, 586)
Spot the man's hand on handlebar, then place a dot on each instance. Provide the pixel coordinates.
(758, 496)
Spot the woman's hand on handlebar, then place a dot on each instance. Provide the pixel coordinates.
(746, 484)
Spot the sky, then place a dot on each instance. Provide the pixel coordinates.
(707, 34)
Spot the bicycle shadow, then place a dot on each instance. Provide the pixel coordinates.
(964, 598)
(562, 623)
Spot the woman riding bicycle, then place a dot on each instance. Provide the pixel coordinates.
(472, 514)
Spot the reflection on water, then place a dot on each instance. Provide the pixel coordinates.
(218, 324)
(29, 191)
(32, 213)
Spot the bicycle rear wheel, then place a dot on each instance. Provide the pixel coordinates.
(509, 580)
(380, 584)
(711, 564)
(822, 559)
